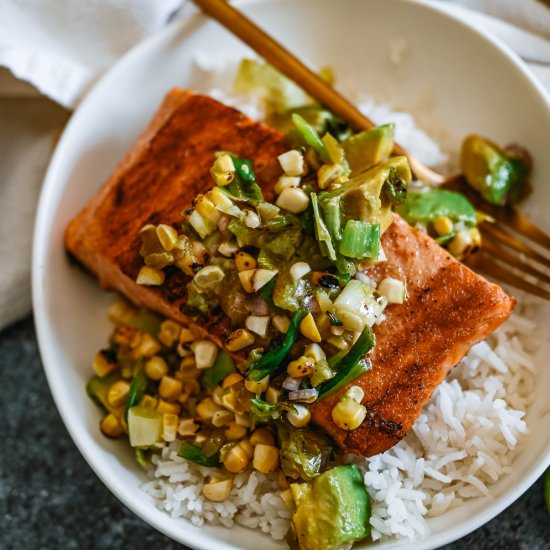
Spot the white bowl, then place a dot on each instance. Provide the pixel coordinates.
(449, 73)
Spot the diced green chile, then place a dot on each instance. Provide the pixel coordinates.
(351, 365)
(427, 206)
(310, 137)
(267, 412)
(196, 454)
(268, 363)
(223, 365)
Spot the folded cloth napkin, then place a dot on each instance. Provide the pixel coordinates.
(61, 47)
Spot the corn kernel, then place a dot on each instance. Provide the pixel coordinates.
(393, 289)
(293, 199)
(244, 261)
(228, 249)
(187, 427)
(118, 393)
(283, 480)
(299, 270)
(231, 378)
(170, 388)
(286, 181)
(169, 332)
(222, 418)
(217, 394)
(247, 448)
(148, 346)
(356, 393)
(257, 387)
(236, 459)
(476, 237)
(206, 352)
(315, 351)
(261, 435)
(208, 277)
(149, 276)
(303, 366)
(104, 363)
(251, 219)
(246, 279)
(287, 498)
(327, 174)
(243, 420)
(200, 438)
(149, 402)
(262, 277)
(300, 417)
(186, 336)
(239, 339)
(348, 414)
(120, 311)
(461, 244)
(266, 458)
(207, 408)
(110, 426)
(234, 431)
(272, 395)
(164, 407)
(443, 225)
(156, 367)
(258, 324)
(292, 163)
(170, 424)
(281, 323)
(167, 236)
(219, 491)
(309, 329)
(127, 336)
(229, 401)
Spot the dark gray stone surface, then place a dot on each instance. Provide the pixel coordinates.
(50, 498)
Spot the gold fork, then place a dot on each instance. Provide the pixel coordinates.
(504, 255)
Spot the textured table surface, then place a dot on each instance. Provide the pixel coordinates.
(51, 499)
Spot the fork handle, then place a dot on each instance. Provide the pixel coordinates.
(293, 68)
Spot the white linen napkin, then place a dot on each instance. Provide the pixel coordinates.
(61, 47)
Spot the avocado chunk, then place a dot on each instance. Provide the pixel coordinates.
(499, 176)
(332, 510)
(366, 149)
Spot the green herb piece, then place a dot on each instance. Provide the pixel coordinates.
(196, 454)
(223, 365)
(137, 389)
(263, 411)
(141, 457)
(321, 232)
(395, 187)
(360, 240)
(310, 137)
(427, 206)
(268, 363)
(351, 365)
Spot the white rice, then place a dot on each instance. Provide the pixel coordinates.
(464, 441)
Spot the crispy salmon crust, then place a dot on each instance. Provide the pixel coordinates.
(449, 308)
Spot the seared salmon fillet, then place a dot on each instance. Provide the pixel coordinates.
(449, 308)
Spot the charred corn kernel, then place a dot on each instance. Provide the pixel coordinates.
(251, 219)
(315, 351)
(293, 199)
(187, 427)
(309, 329)
(218, 491)
(127, 336)
(443, 225)
(104, 363)
(208, 277)
(222, 418)
(186, 336)
(257, 324)
(327, 174)
(234, 431)
(207, 408)
(244, 261)
(393, 290)
(229, 401)
(149, 276)
(223, 170)
(246, 279)
(167, 236)
(287, 498)
(156, 367)
(206, 352)
(283, 480)
(461, 244)
(118, 393)
(356, 393)
(348, 414)
(200, 438)
(169, 332)
(164, 407)
(148, 346)
(299, 270)
(292, 163)
(243, 420)
(300, 417)
(281, 323)
(149, 402)
(217, 394)
(286, 181)
(272, 395)
(110, 426)
(236, 459)
(231, 378)
(262, 277)
(266, 458)
(476, 237)
(170, 388)
(228, 249)
(257, 387)
(303, 366)
(261, 435)
(170, 424)
(239, 339)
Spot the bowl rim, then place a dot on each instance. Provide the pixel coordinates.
(142, 508)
